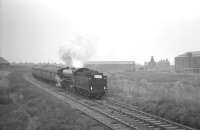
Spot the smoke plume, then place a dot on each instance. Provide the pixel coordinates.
(76, 52)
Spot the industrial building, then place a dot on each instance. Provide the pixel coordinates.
(112, 66)
(188, 62)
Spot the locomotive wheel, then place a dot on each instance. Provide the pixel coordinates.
(63, 85)
(90, 96)
(75, 90)
(98, 96)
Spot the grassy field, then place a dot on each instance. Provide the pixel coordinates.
(29, 108)
(173, 96)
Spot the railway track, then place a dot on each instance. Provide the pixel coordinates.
(150, 119)
(99, 115)
(113, 114)
(135, 117)
(146, 118)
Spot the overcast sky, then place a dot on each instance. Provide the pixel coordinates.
(33, 30)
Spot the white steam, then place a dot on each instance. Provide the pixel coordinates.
(76, 52)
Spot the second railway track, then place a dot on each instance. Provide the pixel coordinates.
(150, 119)
(134, 117)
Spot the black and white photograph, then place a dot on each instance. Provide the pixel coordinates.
(99, 65)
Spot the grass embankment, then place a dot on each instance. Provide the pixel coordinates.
(29, 108)
(4, 98)
(172, 96)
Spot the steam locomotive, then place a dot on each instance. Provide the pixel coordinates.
(84, 81)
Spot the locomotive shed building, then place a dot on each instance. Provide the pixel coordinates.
(112, 66)
(188, 62)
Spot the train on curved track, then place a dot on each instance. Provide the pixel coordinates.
(84, 81)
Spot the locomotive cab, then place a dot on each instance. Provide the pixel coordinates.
(90, 82)
(98, 83)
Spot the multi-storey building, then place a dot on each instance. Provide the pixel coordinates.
(188, 62)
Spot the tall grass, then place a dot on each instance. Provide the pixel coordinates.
(173, 96)
(4, 88)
